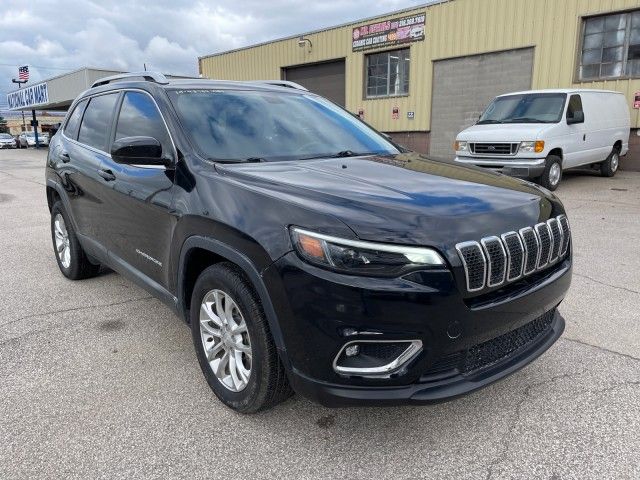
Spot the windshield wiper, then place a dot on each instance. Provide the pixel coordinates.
(239, 160)
(341, 154)
(483, 122)
(524, 120)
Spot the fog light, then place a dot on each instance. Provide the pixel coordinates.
(352, 350)
(375, 357)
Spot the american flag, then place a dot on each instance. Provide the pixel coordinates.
(23, 73)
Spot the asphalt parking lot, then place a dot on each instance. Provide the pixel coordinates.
(99, 380)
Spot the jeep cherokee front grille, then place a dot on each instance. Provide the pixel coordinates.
(496, 260)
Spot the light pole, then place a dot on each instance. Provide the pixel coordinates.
(20, 82)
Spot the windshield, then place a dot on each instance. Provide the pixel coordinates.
(235, 125)
(526, 108)
(6, 136)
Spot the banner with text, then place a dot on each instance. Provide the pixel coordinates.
(389, 32)
(28, 97)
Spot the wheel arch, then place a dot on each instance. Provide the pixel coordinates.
(557, 151)
(618, 145)
(200, 252)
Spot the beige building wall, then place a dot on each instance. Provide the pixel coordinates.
(453, 28)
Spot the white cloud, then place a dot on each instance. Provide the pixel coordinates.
(167, 35)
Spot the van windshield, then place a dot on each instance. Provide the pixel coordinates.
(525, 108)
(246, 125)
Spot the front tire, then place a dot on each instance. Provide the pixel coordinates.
(233, 343)
(71, 258)
(550, 178)
(609, 167)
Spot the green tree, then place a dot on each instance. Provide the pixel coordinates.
(3, 125)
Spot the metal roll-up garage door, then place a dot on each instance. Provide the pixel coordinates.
(463, 87)
(326, 79)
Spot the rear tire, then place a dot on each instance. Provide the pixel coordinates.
(609, 167)
(233, 343)
(71, 258)
(552, 175)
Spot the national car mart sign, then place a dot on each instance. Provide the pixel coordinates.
(28, 97)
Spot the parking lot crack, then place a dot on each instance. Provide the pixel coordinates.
(607, 284)
(604, 349)
(73, 309)
(515, 420)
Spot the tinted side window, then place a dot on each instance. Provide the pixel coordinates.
(139, 116)
(97, 121)
(575, 105)
(71, 128)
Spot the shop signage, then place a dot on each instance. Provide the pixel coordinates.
(389, 32)
(395, 113)
(636, 100)
(28, 97)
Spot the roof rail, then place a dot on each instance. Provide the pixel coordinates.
(156, 77)
(282, 83)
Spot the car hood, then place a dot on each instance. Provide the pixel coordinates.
(406, 199)
(506, 132)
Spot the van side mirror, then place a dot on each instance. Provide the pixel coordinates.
(138, 151)
(578, 117)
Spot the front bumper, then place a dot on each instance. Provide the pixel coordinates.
(8, 145)
(515, 167)
(429, 389)
(316, 307)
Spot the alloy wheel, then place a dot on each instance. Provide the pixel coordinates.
(63, 248)
(225, 340)
(554, 174)
(615, 160)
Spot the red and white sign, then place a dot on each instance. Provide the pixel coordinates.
(395, 113)
(636, 100)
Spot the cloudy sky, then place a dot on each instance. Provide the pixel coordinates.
(54, 36)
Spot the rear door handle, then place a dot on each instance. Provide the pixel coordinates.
(107, 175)
(64, 156)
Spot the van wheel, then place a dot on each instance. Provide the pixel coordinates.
(233, 343)
(550, 178)
(71, 258)
(609, 167)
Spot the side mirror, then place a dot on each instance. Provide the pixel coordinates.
(578, 117)
(138, 151)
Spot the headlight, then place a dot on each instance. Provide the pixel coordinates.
(461, 146)
(532, 147)
(358, 257)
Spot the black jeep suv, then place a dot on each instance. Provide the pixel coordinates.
(307, 251)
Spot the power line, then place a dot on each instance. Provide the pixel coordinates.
(35, 66)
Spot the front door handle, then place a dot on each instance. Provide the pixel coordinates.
(107, 175)
(64, 156)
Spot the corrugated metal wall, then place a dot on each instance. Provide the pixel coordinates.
(455, 28)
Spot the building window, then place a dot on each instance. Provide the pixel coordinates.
(388, 73)
(611, 47)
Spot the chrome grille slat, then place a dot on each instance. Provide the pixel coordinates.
(532, 249)
(495, 260)
(566, 233)
(515, 255)
(474, 263)
(496, 257)
(556, 234)
(544, 237)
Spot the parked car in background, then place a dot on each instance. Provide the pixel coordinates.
(28, 139)
(306, 250)
(7, 141)
(538, 134)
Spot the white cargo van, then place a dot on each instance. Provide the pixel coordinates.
(539, 133)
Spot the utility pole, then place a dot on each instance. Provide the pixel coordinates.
(20, 82)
